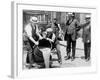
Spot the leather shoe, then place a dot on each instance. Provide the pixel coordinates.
(68, 57)
(72, 58)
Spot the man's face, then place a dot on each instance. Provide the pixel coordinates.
(44, 35)
(54, 21)
(87, 19)
(34, 22)
(48, 32)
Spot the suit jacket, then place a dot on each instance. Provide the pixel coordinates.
(72, 29)
(87, 34)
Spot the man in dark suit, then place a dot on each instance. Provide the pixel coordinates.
(71, 36)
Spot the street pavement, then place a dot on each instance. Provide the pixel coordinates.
(79, 57)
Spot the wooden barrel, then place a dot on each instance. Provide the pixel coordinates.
(42, 52)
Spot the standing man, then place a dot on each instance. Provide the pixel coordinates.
(87, 38)
(32, 32)
(56, 30)
(71, 36)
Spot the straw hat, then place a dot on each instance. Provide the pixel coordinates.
(34, 19)
(87, 16)
(71, 14)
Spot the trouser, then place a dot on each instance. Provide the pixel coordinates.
(58, 53)
(58, 49)
(87, 47)
(30, 55)
(70, 43)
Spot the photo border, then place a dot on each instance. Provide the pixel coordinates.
(16, 70)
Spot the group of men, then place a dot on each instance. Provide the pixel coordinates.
(71, 35)
(53, 35)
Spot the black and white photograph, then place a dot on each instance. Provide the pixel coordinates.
(56, 39)
(52, 39)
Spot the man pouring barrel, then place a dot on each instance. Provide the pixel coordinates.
(31, 30)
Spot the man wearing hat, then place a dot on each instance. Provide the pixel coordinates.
(87, 37)
(71, 36)
(50, 35)
(32, 32)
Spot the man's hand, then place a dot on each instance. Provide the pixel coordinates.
(88, 41)
(49, 39)
(41, 38)
(37, 43)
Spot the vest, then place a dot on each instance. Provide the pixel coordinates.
(34, 35)
(49, 36)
